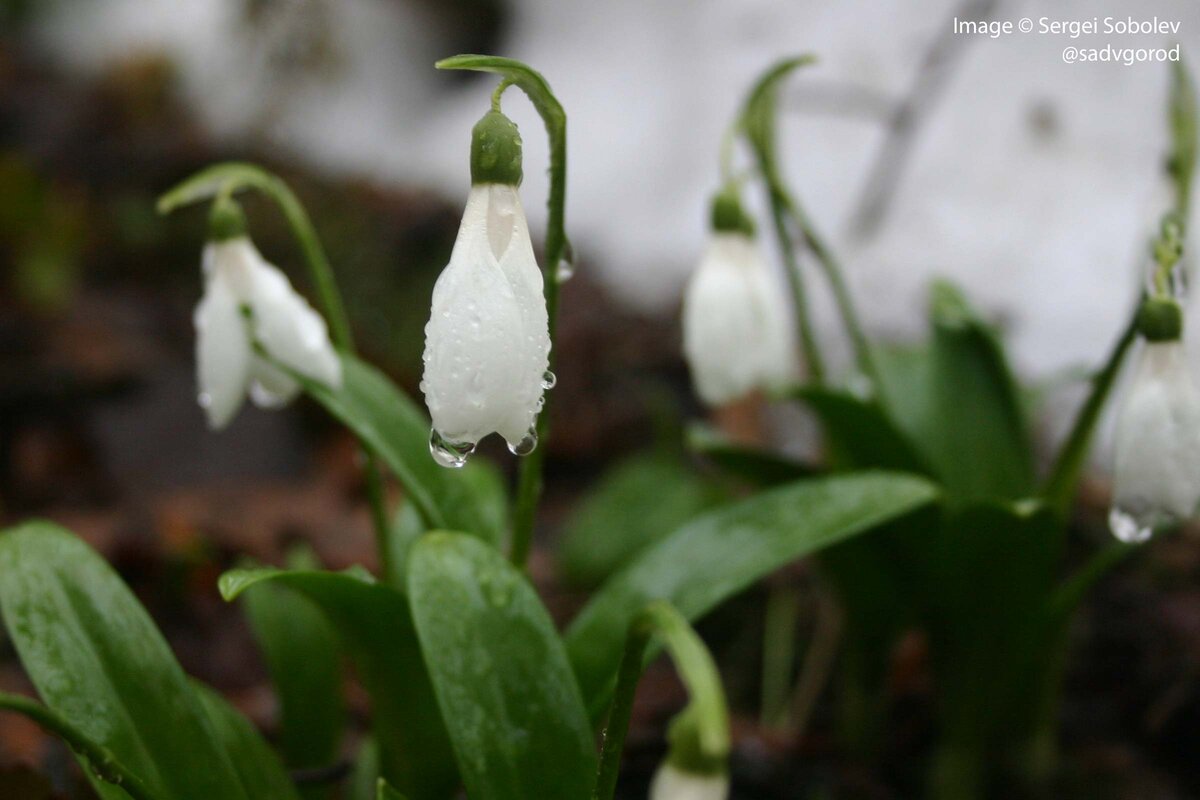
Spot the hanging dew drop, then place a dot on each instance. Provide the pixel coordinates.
(449, 454)
(1129, 528)
(549, 379)
(565, 269)
(204, 399)
(526, 446)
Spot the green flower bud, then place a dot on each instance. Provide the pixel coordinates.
(496, 151)
(226, 221)
(727, 213)
(687, 752)
(1160, 319)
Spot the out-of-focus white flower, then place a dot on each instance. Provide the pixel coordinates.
(1156, 478)
(737, 334)
(673, 783)
(487, 344)
(246, 301)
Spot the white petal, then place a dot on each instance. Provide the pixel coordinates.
(521, 270)
(235, 260)
(223, 352)
(1157, 469)
(289, 329)
(731, 322)
(672, 783)
(477, 345)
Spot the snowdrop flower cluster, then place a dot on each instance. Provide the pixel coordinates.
(250, 322)
(737, 336)
(674, 783)
(1156, 480)
(487, 344)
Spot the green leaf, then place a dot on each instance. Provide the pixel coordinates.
(375, 625)
(977, 440)
(487, 487)
(257, 765)
(303, 658)
(859, 433)
(722, 552)
(98, 661)
(386, 792)
(398, 432)
(754, 466)
(364, 779)
(502, 677)
(634, 505)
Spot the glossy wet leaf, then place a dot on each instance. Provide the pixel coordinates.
(633, 505)
(98, 660)
(722, 552)
(303, 657)
(258, 766)
(376, 630)
(859, 433)
(397, 430)
(503, 681)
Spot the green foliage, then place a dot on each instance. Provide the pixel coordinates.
(99, 663)
(302, 655)
(503, 681)
(377, 634)
(722, 552)
(635, 504)
(748, 464)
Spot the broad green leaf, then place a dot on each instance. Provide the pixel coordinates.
(257, 765)
(722, 552)
(977, 440)
(634, 505)
(906, 372)
(487, 487)
(375, 625)
(754, 466)
(859, 434)
(398, 432)
(98, 661)
(303, 657)
(501, 673)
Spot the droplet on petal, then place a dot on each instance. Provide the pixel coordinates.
(549, 380)
(447, 453)
(1130, 528)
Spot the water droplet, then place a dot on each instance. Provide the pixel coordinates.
(549, 379)
(526, 445)
(565, 269)
(448, 453)
(1130, 528)
(204, 399)
(497, 588)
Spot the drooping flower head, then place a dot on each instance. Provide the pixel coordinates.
(487, 344)
(1156, 476)
(736, 333)
(249, 304)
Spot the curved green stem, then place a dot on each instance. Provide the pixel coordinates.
(529, 478)
(100, 760)
(706, 715)
(223, 180)
(804, 328)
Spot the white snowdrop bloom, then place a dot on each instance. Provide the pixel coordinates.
(1156, 478)
(246, 301)
(737, 334)
(487, 344)
(673, 783)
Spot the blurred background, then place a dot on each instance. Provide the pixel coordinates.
(1033, 183)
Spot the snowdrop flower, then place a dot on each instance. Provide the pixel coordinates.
(737, 336)
(487, 344)
(248, 301)
(1156, 479)
(673, 783)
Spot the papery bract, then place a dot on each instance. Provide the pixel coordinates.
(673, 783)
(736, 331)
(1156, 478)
(487, 344)
(246, 301)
